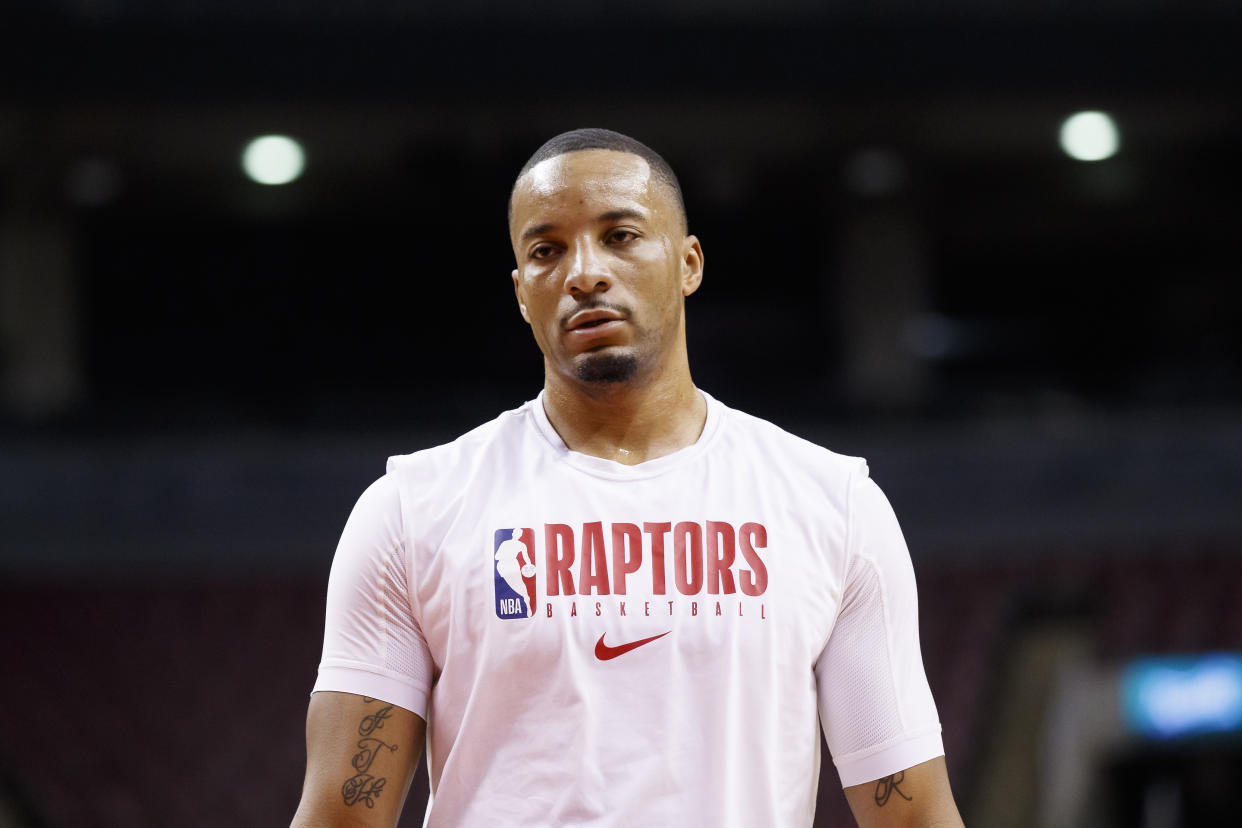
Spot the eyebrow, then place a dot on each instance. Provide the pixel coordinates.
(537, 230)
(617, 215)
(611, 215)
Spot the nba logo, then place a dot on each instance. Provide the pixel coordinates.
(513, 560)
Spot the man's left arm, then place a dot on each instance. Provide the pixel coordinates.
(876, 707)
(918, 797)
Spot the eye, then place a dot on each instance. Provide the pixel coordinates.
(542, 251)
(621, 235)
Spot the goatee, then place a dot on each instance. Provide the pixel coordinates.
(607, 368)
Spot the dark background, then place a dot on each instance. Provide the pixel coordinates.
(1041, 357)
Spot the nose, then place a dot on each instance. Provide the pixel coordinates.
(587, 271)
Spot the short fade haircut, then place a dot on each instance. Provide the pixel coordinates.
(590, 138)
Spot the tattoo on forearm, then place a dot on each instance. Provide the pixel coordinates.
(363, 786)
(885, 787)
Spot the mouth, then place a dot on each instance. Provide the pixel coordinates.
(592, 319)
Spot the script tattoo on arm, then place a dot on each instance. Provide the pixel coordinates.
(885, 787)
(364, 786)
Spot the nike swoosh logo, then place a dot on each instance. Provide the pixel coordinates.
(603, 652)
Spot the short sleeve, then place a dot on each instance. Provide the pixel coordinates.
(875, 705)
(372, 643)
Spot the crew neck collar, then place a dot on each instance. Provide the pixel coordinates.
(600, 467)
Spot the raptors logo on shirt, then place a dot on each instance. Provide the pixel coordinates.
(653, 559)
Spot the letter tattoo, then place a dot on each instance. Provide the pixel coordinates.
(374, 722)
(369, 750)
(885, 787)
(362, 786)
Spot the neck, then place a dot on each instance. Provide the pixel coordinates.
(627, 423)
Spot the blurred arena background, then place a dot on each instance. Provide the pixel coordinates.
(1041, 356)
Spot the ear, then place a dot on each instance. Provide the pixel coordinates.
(517, 291)
(691, 265)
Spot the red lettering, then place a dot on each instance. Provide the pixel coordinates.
(623, 608)
(573, 610)
(694, 607)
(688, 558)
(657, 532)
(718, 612)
(593, 565)
(739, 609)
(598, 611)
(719, 558)
(646, 608)
(670, 607)
(549, 610)
(627, 554)
(763, 611)
(558, 537)
(753, 536)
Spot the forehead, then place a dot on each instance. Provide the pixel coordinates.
(585, 184)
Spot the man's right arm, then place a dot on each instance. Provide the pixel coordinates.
(361, 754)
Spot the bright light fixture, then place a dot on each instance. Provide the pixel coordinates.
(273, 159)
(1090, 136)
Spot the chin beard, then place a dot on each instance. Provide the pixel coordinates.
(607, 368)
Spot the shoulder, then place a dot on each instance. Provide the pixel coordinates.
(432, 483)
(504, 433)
(790, 455)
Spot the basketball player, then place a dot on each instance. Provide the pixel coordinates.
(709, 590)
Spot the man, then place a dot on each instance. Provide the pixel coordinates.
(708, 589)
